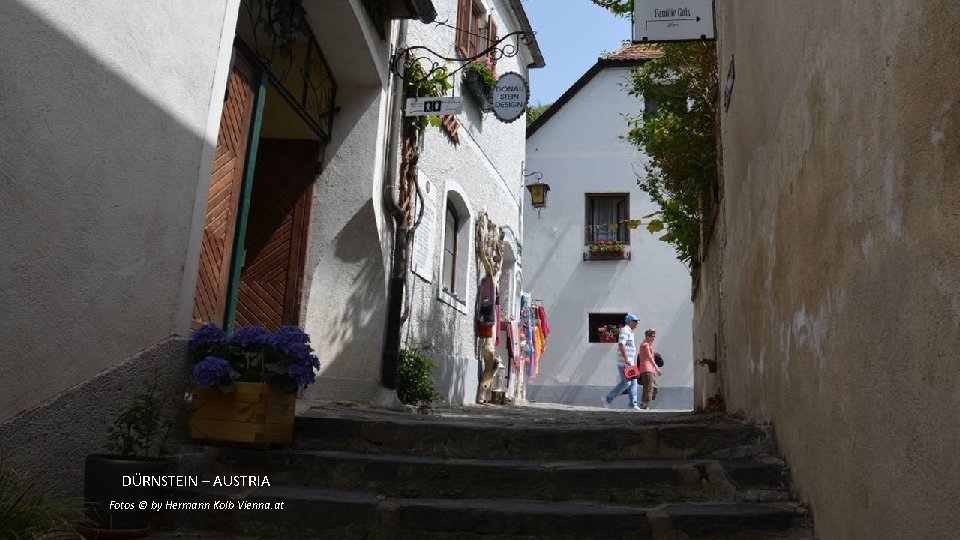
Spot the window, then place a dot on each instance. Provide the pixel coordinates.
(597, 320)
(451, 226)
(475, 31)
(605, 216)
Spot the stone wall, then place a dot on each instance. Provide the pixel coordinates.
(838, 280)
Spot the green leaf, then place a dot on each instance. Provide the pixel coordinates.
(655, 226)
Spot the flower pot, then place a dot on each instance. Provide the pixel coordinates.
(608, 339)
(119, 480)
(607, 255)
(476, 87)
(254, 413)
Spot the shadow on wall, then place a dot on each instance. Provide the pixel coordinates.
(48, 444)
(356, 332)
(441, 325)
(106, 179)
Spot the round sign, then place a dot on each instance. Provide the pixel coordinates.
(510, 97)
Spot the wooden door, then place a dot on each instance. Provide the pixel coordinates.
(276, 241)
(226, 181)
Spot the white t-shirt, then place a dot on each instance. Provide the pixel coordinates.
(626, 339)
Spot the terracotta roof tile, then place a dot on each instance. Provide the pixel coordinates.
(635, 51)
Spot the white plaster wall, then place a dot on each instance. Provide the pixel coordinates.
(347, 258)
(105, 109)
(579, 151)
(485, 169)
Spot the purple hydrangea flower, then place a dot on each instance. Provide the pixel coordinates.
(252, 338)
(301, 374)
(206, 338)
(213, 371)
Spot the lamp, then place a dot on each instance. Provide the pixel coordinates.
(538, 191)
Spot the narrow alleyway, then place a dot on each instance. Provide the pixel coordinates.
(502, 472)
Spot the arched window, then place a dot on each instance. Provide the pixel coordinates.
(451, 227)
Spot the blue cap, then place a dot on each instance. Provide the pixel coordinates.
(631, 317)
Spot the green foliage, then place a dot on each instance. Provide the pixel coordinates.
(536, 111)
(484, 68)
(414, 382)
(680, 138)
(620, 8)
(142, 428)
(437, 83)
(26, 513)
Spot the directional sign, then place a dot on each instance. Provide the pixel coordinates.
(673, 20)
(434, 105)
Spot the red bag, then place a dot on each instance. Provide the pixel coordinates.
(631, 372)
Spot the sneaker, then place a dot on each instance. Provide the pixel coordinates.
(606, 404)
(643, 406)
(636, 408)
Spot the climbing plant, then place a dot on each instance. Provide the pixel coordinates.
(421, 84)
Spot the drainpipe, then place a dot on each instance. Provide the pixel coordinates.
(391, 193)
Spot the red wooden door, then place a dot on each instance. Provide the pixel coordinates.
(226, 180)
(270, 282)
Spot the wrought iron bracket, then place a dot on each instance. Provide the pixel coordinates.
(496, 51)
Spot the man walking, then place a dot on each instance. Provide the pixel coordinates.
(626, 356)
(649, 371)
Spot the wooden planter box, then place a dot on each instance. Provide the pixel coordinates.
(253, 413)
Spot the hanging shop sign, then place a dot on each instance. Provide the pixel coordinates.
(673, 20)
(446, 105)
(510, 96)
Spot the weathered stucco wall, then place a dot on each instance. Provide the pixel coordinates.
(105, 113)
(841, 270)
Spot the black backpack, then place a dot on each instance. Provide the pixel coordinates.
(658, 359)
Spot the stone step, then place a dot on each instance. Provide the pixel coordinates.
(630, 481)
(284, 512)
(681, 437)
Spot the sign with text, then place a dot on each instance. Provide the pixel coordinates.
(510, 96)
(434, 105)
(673, 20)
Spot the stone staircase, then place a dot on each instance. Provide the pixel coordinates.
(500, 472)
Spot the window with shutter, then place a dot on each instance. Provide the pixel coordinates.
(472, 32)
(493, 36)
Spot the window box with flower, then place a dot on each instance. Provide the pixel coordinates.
(605, 250)
(247, 383)
(479, 77)
(608, 333)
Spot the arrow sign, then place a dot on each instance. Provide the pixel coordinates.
(673, 20)
(447, 105)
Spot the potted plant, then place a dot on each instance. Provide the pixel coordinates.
(608, 333)
(478, 79)
(607, 249)
(247, 383)
(116, 483)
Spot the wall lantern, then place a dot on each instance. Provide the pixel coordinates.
(538, 191)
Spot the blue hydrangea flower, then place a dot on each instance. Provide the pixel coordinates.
(206, 338)
(301, 374)
(252, 338)
(289, 333)
(213, 371)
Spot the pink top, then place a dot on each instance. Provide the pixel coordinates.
(645, 357)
